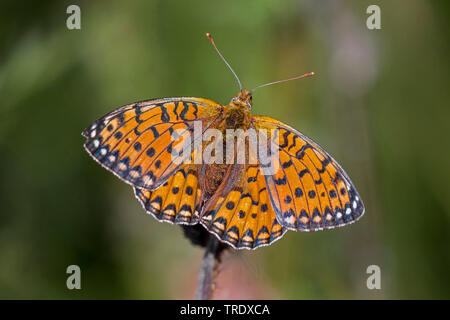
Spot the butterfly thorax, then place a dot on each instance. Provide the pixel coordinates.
(236, 115)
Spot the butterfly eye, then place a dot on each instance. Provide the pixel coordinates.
(235, 99)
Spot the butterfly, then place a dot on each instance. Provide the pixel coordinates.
(240, 203)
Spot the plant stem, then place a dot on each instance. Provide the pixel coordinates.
(207, 266)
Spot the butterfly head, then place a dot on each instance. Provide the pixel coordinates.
(243, 99)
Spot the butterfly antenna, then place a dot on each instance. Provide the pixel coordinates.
(221, 56)
(279, 81)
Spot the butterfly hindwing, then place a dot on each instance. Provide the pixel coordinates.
(309, 190)
(137, 142)
(177, 200)
(243, 217)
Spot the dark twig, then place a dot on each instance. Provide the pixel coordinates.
(199, 236)
(205, 276)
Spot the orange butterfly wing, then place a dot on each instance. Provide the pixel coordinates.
(177, 200)
(309, 190)
(136, 142)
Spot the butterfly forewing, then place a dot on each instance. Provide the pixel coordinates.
(309, 190)
(136, 142)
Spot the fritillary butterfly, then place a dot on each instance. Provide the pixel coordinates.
(237, 203)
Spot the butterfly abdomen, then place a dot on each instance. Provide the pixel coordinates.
(213, 175)
(212, 178)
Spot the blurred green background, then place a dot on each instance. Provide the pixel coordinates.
(378, 104)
